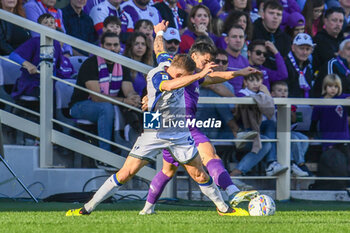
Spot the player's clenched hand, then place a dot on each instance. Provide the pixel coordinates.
(247, 71)
(144, 103)
(162, 26)
(208, 68)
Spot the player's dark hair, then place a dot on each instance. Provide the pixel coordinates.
(44, 16)
(108, 34)
(185, 62)
(273, 4)
(202, 48)
(111, 20)
(204, 39)
(281, 83)
(255, 43)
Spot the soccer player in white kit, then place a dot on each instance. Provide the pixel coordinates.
(166, 97)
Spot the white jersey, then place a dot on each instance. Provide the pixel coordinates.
(170, 104)
(150, 13)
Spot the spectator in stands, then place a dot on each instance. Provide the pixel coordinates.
(199, 24)
(141, 9)
(338, 129)
(92, 75)
(338, 65)
(295, 24)
(328, 39)
(78, 24)
(257, 53)
(300, 76)
(268, 28)
(11, 35)
(172, 40)
(90, 4)
(145, 26)
(110, 8)
(235, 41)
(240, 18)
(35, 8)
(28, 55)
(213, 6)
(176, 16)
(113, 24)
(257, 10)
(235, 5)
(313, 11)
(289, 7)
(251, 117)
(138, 49)
(279, 89)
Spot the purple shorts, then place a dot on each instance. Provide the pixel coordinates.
(198, 137)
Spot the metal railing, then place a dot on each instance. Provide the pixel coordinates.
(48, 135)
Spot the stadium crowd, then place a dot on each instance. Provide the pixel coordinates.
(302, 48)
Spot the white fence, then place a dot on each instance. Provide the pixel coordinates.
(48, 135)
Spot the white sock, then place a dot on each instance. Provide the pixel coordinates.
(149, 207)
(106, 190)
(232, 189)
(213, 193)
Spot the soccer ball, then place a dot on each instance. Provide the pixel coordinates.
(262, 205)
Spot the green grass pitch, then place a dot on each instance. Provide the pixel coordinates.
(182, 216)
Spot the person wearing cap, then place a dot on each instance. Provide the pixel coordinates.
(338, 65)
(172, 41)
(300, 75)
(328, 39)
(295, 24)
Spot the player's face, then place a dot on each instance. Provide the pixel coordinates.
(139, 48)
(272, 19)
(78, 3)
(332, 90)
(235, 39)
(113, 27)
(201, 17)
(280, 91)
(257, 57)
(8, 4)
(49, 22)
(240, 4)
(222, 61)
(201, 59)
(49, 3)
(253, 84)
(334, 23)
(112, 44)
(345, 52)
(302, 52)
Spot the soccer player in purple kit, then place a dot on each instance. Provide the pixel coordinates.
(202, 54)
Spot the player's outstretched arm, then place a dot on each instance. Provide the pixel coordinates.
(219, 77)
(186, 80)
(159, 29)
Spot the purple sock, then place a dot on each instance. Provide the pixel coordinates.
(157, 186)
(217, 170)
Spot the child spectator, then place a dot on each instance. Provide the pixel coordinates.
(113, 24)
(336, 114)
(145, 26)
(28, 55)
(313, 11)
(279, 89)
(295, 24)
(251, 117)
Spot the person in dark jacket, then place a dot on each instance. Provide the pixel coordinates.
(300, 74)
(268, 28)
(169, 11)
(328, 40)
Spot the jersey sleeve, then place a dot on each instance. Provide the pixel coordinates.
(163, 57)
(158, 80)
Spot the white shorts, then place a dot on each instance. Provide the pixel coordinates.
(148, 146)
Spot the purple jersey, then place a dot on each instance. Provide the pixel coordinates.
(339, 128)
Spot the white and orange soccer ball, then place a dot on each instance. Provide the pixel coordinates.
(262, 205)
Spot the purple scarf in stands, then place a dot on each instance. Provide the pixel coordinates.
(110, 84)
